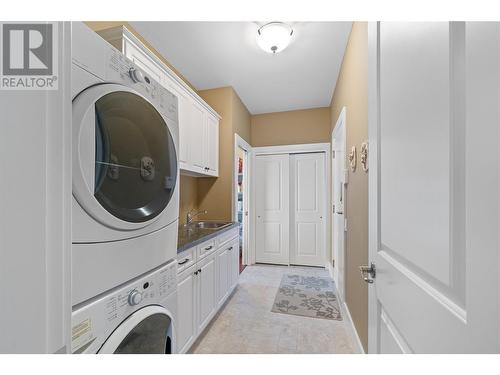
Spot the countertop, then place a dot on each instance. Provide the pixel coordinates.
(195, 236)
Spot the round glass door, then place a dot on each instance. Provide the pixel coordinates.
(150, 336)
(135, 158)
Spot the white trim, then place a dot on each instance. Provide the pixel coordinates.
(373, 123)
(353, 333)
(290, 149)
(341, 119)
(352, 328)
(239, 142)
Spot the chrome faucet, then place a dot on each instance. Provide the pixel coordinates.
(190, 215)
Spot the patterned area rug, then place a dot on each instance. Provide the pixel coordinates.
(307, 296)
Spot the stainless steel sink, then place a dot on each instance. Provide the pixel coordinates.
(209, 224)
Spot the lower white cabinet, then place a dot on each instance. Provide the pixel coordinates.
(206, 290)
(186, 309)
(222, 275)
(227, 269)
(208, 274)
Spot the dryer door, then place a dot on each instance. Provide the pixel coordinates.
(146, 331)
(125, 162)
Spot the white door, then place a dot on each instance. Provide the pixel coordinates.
(434, 205)
(307, 181)
(186, 310)
(339, 180)
(206, 290)
(272, 206)
(212, 144)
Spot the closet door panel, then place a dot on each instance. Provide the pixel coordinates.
(272, 209)
(307, 180)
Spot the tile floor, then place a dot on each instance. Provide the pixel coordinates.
(245, 324)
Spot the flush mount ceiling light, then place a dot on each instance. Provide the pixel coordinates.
(274, 37)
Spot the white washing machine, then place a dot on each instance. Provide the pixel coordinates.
(136, 318)
(125, 172)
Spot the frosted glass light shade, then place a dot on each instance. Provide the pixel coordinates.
(274, 37)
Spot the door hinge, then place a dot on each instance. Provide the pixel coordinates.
(333, 154)
(333, 263)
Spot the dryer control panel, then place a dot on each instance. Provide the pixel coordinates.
(92, 322)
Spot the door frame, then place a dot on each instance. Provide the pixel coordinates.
(373, 125)
(289, 149)
(340, 120)
(239, 142)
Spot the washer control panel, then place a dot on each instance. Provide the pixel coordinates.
(107, 312)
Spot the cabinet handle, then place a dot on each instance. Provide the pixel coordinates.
(183, 262)
(196, 272)
(208, 248)
(231, 248)
(199, 270)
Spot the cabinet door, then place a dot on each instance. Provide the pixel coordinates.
(223, 261)
(206, 290)
(186, 305)
(234, 264)
(198, 136)
(212, 144)
(184, 106)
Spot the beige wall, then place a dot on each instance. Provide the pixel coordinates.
(291, 127)
(351, 91)
(188, 197)
(215, 194)
(241, 119)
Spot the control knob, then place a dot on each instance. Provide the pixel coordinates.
(134, 298)
(136, 75)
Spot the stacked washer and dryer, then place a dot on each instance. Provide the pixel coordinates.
(125, 203)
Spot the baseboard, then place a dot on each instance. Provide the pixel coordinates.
(329, 267)
(343, 306)
(354, 332)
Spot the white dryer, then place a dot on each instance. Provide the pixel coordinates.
(125, 171)
(138, 317)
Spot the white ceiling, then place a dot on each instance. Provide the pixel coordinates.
(217, 54)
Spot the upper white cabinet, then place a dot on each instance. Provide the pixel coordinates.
(198, 122)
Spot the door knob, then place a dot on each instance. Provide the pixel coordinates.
(368, 273)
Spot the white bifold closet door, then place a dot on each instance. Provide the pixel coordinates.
(307, 206)
(290, 208)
